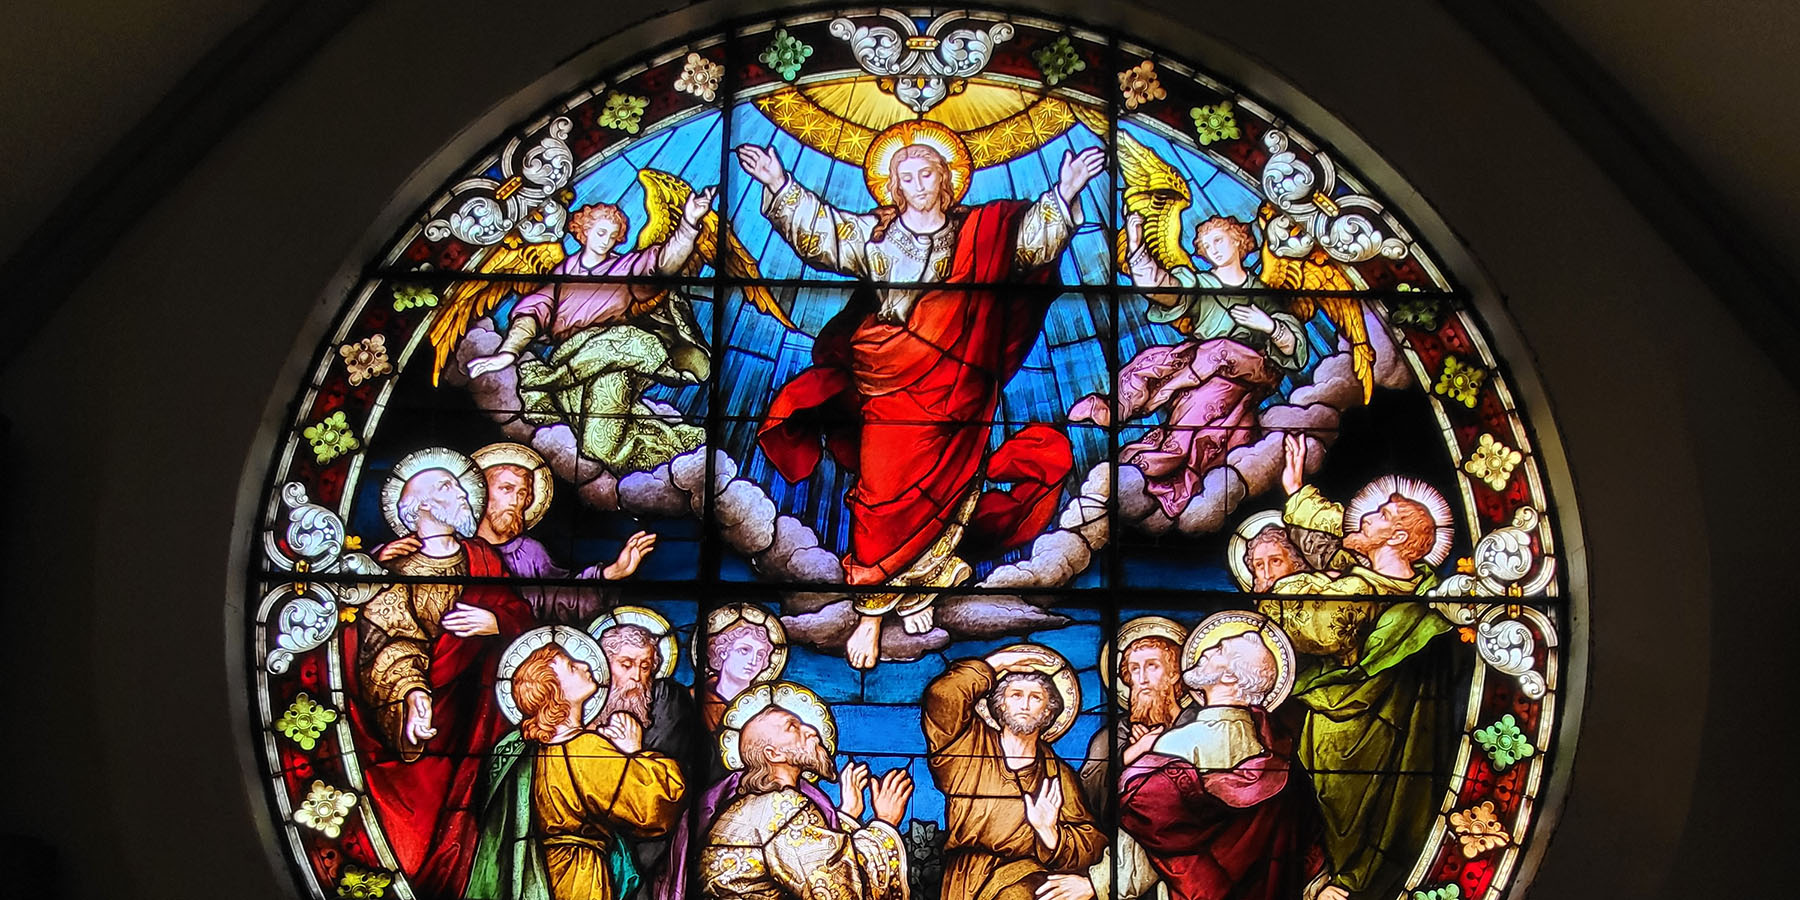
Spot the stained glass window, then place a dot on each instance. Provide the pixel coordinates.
(907, 456)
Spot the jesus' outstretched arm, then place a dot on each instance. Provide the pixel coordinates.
(824, 236)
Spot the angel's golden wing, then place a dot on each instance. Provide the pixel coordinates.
(467, 301)
(1317, 272)
(1157, 191)
(664, 197)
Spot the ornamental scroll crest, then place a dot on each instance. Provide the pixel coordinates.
(1506, 564)
(1308, 216)
(921, 68)
(315, 542)
(484, 211)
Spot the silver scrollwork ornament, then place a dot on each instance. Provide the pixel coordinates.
(315, 538)
(485, 211)
(1508, 646)
(1308, 216)
(921, 63)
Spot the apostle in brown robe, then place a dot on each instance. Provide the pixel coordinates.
(1016, 821)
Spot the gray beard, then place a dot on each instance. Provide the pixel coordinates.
(460, 518)
(635, 702)
(819, 763)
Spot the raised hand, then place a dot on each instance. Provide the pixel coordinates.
(631, 555)
(697, 205)
(468, 621)
(393, 550)
(1293, 466)
(1019, 660)
(1134, 233)
(890, 796)
(1077, 170)
(1043, 809)
(851, 784)
(485, 364)
(417, 729)
(1066, 887)
(626, 733)
(762, 164)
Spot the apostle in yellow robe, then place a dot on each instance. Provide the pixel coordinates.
(591, 790)
(1015, 816)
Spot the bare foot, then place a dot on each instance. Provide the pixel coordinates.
(865, 643)
(919, 622)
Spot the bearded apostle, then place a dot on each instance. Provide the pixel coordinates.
(1218, 804)
(662, 707)
(1371, 673)
(1149, 673)
(592, 791)
(907, 380)
(519, 485)
(1015, 819)
(775, 837)
(421, 662)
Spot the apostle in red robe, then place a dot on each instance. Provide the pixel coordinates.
(1218, 804)
(908, 376)
(420, 667)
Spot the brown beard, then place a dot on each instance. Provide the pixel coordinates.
(634, 701)
(507, 523)
(1022, 724)
(1361, 542)
(1155, 706)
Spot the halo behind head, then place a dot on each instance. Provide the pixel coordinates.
(649, 620)
(459, 466)
(573, 642)
(543, 483)
(917, 131)
(1067, 685)
(1233, 622)
(794, 698)
(1378, 491)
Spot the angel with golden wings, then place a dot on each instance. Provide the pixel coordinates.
(609, 342)
(1238, 347)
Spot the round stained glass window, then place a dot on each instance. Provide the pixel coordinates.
(908, 456)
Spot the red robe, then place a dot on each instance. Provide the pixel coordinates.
(1252, 832)
(427, 807)
(908, 408)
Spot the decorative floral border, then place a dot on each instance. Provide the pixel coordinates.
(1485, 819)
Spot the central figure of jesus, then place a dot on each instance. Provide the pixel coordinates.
(907, 377)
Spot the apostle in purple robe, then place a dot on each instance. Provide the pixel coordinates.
(519, 485)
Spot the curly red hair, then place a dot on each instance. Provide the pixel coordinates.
(583, 219)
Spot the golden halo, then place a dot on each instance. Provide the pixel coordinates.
(1130, 633)
(918, 131)
(1231, 623)
(721, 619)
(1252, 525)
(507, 453)
(1061, 675)
(649, 620)
(575, 643)
(459, 466)
(794, 698)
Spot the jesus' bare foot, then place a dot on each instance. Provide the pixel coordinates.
(865, 643)
(918, 622)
